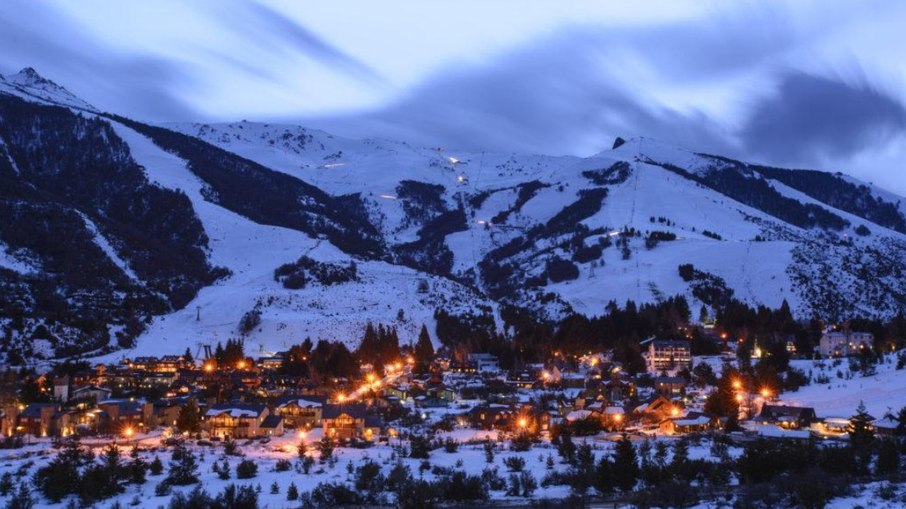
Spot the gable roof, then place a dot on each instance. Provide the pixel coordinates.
(236, 410)
(354, 410)
(272, 421)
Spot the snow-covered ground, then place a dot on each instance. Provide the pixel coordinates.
(881, 393)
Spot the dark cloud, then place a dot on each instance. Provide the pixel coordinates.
(549, 97)
(812, 117)
(278, 32)
(34, 35)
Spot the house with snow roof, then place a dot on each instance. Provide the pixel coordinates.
(301, 411)
(350, 421)
(235, 420)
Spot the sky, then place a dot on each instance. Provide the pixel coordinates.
(805, 83)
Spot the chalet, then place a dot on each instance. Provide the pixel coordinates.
(300, 412)
(36, 419)
(119, 415)
(655, 410)
(619, 389)
(235, 420)
(92, 392)
(844, 343)
(166, 411)
(693, 422)
(493, 416)
(670, 386)
(272, 426)
(349, 421)
(787, 417)
(484, 362)
(521, 380)
(269, 363)
(886, 426)
(668, 354)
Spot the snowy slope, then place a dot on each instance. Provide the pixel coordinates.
(252, 252)
(487, 228)
(763, 272)
(29, 85)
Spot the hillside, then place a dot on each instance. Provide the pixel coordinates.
(153, 238)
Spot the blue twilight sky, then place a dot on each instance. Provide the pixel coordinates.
(802, 83)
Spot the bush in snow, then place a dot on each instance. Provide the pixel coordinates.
(246, 469)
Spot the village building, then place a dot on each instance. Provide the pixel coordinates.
(693, 422)
(36, 419)
(300, 412)
(844, 343)
(670, 386)
(235, 420)
(117, 416)
(349, 421)
(668, 354)
(787, 417)
(656, 410)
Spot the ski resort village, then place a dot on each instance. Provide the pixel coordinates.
(265, 254)
(391, 424)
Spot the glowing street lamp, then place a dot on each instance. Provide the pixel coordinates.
(765, 393)
(341, 398)
(128, 432)
(737, 384)
(523, 422)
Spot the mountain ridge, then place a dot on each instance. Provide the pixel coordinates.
(432, 228)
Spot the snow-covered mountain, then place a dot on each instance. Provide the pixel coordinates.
(425, 228)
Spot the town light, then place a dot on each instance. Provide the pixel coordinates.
(128, 432)
(674, 411)
(398, 365)
(523, 422)
(739, 398)
(240, 364)
(410, 360)
(208, 367)
(341, 398)
(302, 434)
(618, 417)
(765, 393)
(737, 384)
(370, 377)
(545, 375)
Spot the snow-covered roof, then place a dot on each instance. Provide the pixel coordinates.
(578, 415)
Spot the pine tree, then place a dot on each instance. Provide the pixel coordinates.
(188, 357)
(424, 349)
(22, 499)
(189, 419)
(888, 458)
(156, 467)
(183, 466)
(292, 493)
(625, 463)
(325, 448)
(860, 433)
(137, 467)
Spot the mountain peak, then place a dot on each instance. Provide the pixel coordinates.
(31, 86)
